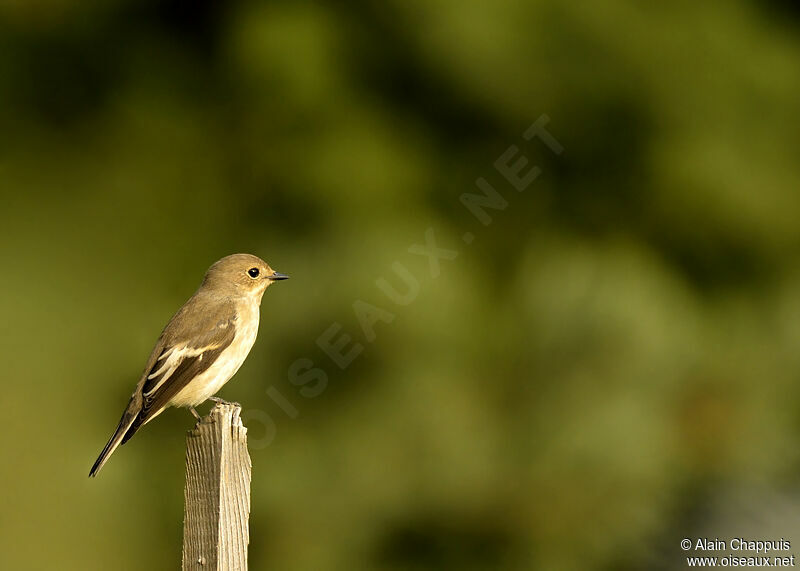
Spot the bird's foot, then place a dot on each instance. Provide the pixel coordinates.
(223, 401)
(194, 413)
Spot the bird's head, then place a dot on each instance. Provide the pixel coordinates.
(241, 275)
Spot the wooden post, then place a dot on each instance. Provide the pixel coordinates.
(217, 495)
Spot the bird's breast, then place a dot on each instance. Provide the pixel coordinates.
(220, 372)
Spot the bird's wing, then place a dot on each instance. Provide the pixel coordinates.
(182, 356)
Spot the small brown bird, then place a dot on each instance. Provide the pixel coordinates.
(202, 346)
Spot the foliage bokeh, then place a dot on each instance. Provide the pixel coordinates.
(611, 360)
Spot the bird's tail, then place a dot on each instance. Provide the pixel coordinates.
(128, 418)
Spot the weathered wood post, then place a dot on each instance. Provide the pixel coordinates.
(217, 496)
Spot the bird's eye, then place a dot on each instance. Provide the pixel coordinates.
(253, 272)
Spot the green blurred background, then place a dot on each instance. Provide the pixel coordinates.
(609, 367)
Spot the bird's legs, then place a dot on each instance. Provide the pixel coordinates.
(194, 412)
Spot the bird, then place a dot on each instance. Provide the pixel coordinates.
(201, 347)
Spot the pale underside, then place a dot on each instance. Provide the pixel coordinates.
(210, 381)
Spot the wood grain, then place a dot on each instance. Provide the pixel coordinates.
(217, 496)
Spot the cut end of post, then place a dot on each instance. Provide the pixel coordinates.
(224, 414)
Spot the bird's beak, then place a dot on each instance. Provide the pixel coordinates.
(277, 276)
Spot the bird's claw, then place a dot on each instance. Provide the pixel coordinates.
(223, 401)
